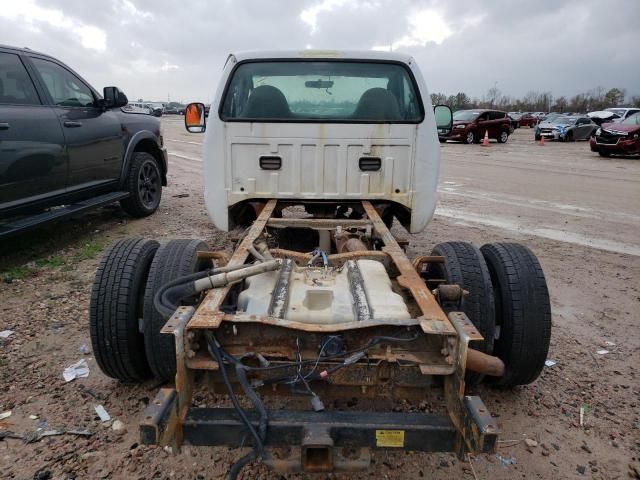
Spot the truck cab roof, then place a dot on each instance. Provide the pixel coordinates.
(323, 55)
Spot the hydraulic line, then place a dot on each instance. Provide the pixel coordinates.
(169, 296)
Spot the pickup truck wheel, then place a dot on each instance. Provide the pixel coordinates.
(144, 184)
(465, 266)
(523, 312)
(470, 138)
(173, 260)
(116, 309)
(504, 136)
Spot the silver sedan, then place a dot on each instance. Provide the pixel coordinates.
(568, 129)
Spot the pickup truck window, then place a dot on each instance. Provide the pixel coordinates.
(16, 86)
(325, 91)
(65, 89)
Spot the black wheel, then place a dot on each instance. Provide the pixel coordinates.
(116, 309)
(471, 138)
(442, 140)
(145, 185)
(465, 266)
(604, 154)
(568, 137)
(504, 136)
(537, 137)
(523, 311)
(173, 260)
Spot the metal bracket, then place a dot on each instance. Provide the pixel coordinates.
(162, 420)
(478, 430)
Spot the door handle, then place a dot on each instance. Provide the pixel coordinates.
(71, 124)
(4, 125)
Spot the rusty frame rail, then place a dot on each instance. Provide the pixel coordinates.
(433, 319)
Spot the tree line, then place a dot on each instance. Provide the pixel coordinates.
(595, 99)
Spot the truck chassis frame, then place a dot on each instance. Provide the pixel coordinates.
(326, 441)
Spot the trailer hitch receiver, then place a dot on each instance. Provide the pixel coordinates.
(317, 449)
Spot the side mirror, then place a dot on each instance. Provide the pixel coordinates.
(444, 119)
(194, 115)
(113, 97)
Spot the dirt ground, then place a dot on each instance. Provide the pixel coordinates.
(578, 212)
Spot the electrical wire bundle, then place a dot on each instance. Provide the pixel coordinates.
(223, 358)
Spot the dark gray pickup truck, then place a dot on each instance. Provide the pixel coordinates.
(65, 149)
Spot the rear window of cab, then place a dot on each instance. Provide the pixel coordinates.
(321, 91)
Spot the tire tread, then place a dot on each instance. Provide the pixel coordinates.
(465, 266)
(175, 259)
(113, 310)
(524, 311)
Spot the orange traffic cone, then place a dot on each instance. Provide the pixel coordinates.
(485, 140)
(542, 140)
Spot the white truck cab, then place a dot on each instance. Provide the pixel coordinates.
(320, 127)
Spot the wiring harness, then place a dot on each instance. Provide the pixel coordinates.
(293, 379)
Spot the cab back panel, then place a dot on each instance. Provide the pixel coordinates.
(321, 166)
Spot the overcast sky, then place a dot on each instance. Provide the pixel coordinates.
(155, 48)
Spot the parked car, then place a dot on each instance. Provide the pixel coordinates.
(174, 109)
(515, 120)
(621, 138)
(469, 126)
(135, 109)
(547, 122)
(63, 145)
(622, 112)
(141, 106)
(157, 109)
(568, 129)
(603, 116)
(528, 120)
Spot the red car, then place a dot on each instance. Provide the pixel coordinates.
(528, 120)
(469, 126)
(621, 138)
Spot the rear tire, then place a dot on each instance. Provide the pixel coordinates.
(116, 307)
(144, 184)
(465, 266)
(173, 260)
(523, 312)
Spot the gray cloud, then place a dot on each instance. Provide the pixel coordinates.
(159, 47)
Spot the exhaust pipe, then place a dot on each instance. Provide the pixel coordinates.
(480, 362)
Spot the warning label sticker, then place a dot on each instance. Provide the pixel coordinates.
(390, 438)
